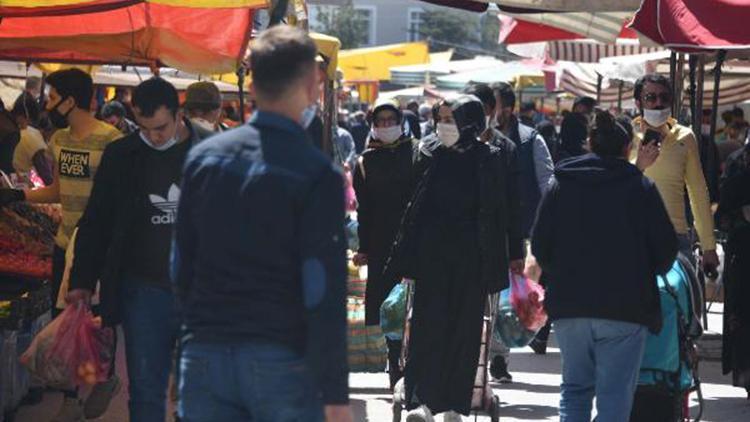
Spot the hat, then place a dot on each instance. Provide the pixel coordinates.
(387, 103)
(203, 96)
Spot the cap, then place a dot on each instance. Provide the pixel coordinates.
(202, 95)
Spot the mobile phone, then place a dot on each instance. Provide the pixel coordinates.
(651, 136)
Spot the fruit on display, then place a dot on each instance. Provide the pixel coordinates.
(27, 234)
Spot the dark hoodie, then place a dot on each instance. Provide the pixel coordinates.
(601, 236)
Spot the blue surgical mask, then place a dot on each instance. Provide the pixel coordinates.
(166, 145)
(308, 115)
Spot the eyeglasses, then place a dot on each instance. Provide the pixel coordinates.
(651, 97)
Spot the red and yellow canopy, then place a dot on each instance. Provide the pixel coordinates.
(200, 36)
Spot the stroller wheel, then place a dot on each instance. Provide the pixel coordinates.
(396, 412)
(495, 409)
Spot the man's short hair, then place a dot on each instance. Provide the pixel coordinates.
(727, 117)
(738, 112)
(279, 57)
(73, 83)
(113, 108)
(153, 94)
(587, 102)
(33, 83)
(653, 78)
(26, 106)
(505, 92)
(484, 93)
(203, 96)
(527, 106)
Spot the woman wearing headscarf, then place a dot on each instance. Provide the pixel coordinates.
(734, 218)
(382, 182)
(452, 244)
(574, 132)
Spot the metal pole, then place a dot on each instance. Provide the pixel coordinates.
(695, 111)
(673, 77)
(720, 56)
(619, 96)
(599, 80)
(241, 86)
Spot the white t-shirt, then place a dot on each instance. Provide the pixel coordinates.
(31, 143)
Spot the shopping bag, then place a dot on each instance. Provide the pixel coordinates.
(366, 343)
(520, 312)
(527, 298)
(73, 350)
(393, 313)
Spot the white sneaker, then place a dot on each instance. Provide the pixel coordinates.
(420, 414)
(451, 416)
(70, 411)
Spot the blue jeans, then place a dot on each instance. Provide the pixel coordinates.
(599, 358)
(151, 324)
(246, 382)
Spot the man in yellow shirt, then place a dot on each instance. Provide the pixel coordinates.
(673, 164)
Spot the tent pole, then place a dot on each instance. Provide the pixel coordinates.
(599, 80)
(619, 96)
(720, 56)
(241, 86)
(673, 77)
(695, 110)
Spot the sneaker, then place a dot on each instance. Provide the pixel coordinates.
(499, 370)
(70, 411)
(451, 416)
(420, 414)
(539, 347)
(100, 397)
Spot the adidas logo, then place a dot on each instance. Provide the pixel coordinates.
(167, 206)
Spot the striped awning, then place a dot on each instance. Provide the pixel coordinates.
(536, 6)
(600, 26)
(580, 79)
(590, 51)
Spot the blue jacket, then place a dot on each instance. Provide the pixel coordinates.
(601, 236)
(260, 251)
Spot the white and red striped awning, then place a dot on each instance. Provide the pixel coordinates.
(590, 51)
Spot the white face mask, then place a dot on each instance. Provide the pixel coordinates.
(166, 145)
(656, 118)
(387, 134)
(448, 133)
(308, 115)
(706, 129)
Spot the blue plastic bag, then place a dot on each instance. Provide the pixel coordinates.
(508, 327)
(393, 313)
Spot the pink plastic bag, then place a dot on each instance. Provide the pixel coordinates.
(527, 299)
(73, 349)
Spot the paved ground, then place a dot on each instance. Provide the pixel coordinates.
(533, 396)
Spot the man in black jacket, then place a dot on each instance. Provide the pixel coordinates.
(124, 241)
(602, 208)
(499, 353)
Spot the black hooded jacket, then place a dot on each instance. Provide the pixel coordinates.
(601, 236)
(494, 209)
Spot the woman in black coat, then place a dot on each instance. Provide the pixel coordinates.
(734, 218)
(382, 182)
(453, 244)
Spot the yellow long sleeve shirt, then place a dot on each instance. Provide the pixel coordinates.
(678, 166)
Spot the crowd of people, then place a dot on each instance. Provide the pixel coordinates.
(226, 247)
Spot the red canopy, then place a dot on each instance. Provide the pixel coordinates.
(695, 25)
(194, 39)
(518, 31)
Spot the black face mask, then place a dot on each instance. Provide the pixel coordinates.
(58, 119)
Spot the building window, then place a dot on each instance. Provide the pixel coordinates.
(416, 18)
(365, 13)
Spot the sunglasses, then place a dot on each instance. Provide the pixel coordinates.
(664, 97)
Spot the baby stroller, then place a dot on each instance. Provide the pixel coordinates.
(483, 401)
(669, 371)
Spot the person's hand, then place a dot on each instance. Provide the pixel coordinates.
(647, 155)
(338, 413)
(517, 266)
(78, 296)
(710, 263)
(360, 259)
(8, 196)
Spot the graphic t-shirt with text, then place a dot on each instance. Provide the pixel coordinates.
(158, 192)
(76, 161)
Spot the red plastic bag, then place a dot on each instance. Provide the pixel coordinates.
(527, 299)
(73, 349)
